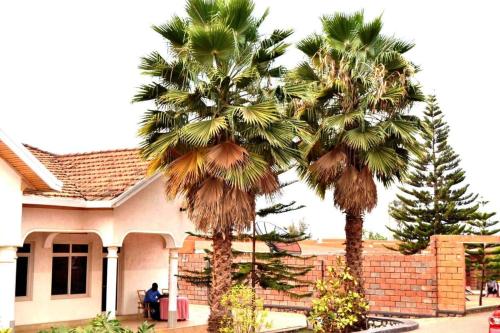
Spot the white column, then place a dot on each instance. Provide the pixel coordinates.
(112, 259)
(8, 255)
(172, 286)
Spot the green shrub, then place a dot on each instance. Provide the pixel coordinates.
(101, 324)
(338, 307)
(5, 330)
(241, 318)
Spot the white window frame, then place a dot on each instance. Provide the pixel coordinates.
(69, 255)
(29, 278)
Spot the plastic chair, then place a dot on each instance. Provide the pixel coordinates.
(142, 308)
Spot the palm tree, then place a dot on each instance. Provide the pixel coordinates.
(354, 90)
(217, 131)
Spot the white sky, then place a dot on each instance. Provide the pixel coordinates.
(68, 70)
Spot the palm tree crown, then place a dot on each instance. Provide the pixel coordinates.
(354, 92)
(217, 131)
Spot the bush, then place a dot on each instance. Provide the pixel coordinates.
(241, 318)
(102, 324)
(338, 307)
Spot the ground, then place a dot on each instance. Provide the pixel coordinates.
(473, 301)
(473, 323)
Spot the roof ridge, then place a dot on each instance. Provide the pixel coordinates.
(98, 152)
(81, 153)
(39, 149)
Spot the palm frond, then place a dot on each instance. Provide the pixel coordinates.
(199, 133)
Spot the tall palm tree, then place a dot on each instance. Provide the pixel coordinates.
(217, 131)
(354, 90)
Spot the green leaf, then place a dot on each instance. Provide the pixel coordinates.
(369, 32)
(237, 14)
(343, 120)
(261, 114)
(201, 11)
(199, 133)
(364, 139)
(211, 41)
(148, 92)
(304, 72)
(175, 31)
(382, 160)
(311, 45)
(342, 27)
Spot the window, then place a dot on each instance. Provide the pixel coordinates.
(23, 265)
(69, 269)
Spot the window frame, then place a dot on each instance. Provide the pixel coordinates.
(29, 278)
(69, 255)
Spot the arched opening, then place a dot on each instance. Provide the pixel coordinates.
(60, 270)
(143, 260)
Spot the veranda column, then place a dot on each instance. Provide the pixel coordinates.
(172, 287)
(112, 259)
(8, 255)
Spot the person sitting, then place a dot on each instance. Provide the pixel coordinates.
(492, 288)
(151, 298)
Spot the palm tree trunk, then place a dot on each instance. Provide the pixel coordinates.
(354, 246)
(221, 277)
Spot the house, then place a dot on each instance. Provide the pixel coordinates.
(81, 233)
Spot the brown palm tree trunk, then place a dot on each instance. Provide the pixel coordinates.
(354, 246)
(221, 277)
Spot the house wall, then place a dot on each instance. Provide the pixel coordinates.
(144, 226)
(43, 307)
(143, 260)
(149, 211)
(11, 199)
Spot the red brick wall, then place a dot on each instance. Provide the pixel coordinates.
(394, 283)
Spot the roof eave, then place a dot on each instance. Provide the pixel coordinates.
(37, 200)
(36, 168)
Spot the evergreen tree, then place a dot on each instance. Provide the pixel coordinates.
(271, 271)
(433, 199)
(483, 259)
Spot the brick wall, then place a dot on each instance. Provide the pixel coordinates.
(394, 283)
(427, 284)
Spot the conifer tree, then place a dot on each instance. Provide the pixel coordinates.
(483, 259)
(271, 271)
(433, 199)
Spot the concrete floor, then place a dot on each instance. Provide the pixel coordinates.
(473, 323)
(198, 316)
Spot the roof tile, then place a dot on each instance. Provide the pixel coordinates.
(101, 175)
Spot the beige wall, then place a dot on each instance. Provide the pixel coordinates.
(143, 260)
(11, 203)
(43, 307)
(150, 211)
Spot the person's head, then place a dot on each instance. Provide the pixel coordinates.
(154, 286)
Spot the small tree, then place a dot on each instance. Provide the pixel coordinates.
(241, 301)
(482, 258)
(434, 200)
(372, 235)
(339, 308)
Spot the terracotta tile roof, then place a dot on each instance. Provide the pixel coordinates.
(101, 175)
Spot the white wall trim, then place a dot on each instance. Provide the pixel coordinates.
(32, 162)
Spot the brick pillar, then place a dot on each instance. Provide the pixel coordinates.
(450, 264)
